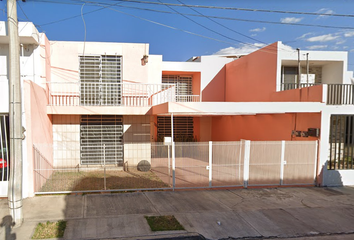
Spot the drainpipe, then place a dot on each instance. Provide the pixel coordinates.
(15, 117)
(307, 67)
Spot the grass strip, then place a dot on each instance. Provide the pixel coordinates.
(49, 230)
(163, 223)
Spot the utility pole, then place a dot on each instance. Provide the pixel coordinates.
(298, 68)
(15, 117)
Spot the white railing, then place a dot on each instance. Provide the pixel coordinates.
(113, 94)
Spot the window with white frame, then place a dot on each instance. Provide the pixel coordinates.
(100, 80)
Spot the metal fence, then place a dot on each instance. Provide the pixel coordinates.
(183, 165)
(340, 94)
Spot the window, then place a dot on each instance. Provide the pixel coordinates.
(183, 128)
(101, 140)
(183, 85)
(100, 80)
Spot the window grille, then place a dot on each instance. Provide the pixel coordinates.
(183, 83)
(100, 78)
(183, 128)
(101, 139)
(341, 142)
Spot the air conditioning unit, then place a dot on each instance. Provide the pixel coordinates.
(314, 132)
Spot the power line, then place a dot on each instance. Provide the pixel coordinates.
(243, 9)
(222, 25)
(194, 15)
(205, 27)
(189, 32)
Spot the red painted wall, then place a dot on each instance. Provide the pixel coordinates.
(263, 127)
(308, 94)
(215, 90)
(252, 78)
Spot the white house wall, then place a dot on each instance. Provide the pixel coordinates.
(332, 177)
(333, 73)
(66, 69)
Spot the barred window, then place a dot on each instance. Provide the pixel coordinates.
(183, 128)
(100, 80)
(101, 140)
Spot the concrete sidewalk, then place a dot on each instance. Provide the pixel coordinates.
(215, 214)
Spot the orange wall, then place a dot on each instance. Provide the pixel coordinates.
(215, 90)
(308, 94)
(263, 127)
(38, 123)
(252, 78)
(195, 80)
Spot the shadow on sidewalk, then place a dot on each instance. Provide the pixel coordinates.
(6, 228)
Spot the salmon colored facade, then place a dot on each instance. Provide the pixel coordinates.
(256, 96)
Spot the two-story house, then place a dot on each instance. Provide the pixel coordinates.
(86, 104)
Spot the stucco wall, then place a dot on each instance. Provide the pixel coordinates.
(308, 94)
(136, 137)
(66, 69)
(252, 77)
(38, 131)
(263, 127)
(215, 90)
(66, 140)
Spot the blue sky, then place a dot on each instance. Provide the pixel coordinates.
(248, 30)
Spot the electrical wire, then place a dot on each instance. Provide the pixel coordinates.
(242, 9)
(222, 25)
(194, 15)
(201, 25)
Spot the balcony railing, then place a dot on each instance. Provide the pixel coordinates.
(290, 86)
(113, 94)
(340, 94)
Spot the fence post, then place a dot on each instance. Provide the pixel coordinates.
(210, 163)
(246, 162)
(104, 165)
(282, 162)
(173, 166)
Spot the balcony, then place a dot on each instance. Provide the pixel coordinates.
(113, 94)
(337, 94)
(340, 94)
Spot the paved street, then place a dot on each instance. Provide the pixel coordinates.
(307, 213)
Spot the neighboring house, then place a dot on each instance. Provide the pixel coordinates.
(85, 101)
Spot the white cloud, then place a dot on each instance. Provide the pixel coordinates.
(258, 29)
(290, 20)
(317, 47)
(322, 38)
(340, 42)
(349, 34)
(244, 49)
(305, 35)
(326, 11)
